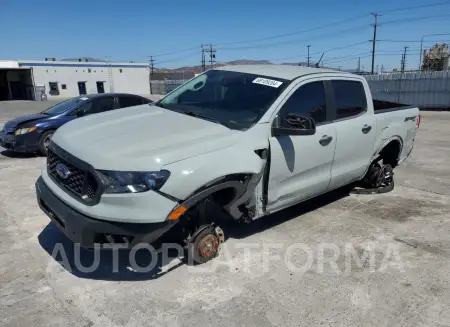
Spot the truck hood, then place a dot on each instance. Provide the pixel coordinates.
(14, 123)
(141, 138)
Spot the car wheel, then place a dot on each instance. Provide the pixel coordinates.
(44, 141)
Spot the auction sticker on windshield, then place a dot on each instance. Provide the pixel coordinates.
(267, 82)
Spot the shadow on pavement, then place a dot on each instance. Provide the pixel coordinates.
(17, 155)
(78, 261)
(106, 264)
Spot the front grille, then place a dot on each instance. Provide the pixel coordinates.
(78, 182)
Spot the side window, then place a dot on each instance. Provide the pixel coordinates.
(308, 100)
(350, 98)
(100, 105)
(129, 101)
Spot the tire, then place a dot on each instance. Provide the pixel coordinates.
(44, 140)
(204, 247)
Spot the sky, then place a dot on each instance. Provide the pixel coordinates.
(172, 31)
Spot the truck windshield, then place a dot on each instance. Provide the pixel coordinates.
(236, 100)
(64, 106)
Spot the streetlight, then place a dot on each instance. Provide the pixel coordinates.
(421, 46)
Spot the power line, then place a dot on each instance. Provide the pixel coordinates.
(341, 47)
(412, 19)
(178, 58)
(350, 19)
(347, 20)
(268, 45)
(319, 52)
(443, 3)
(358, 28)
(412, 41)
(348, 58)
(175, 52)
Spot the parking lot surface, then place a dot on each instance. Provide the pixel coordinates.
(339, 260)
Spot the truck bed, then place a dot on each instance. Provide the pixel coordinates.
(380, 106)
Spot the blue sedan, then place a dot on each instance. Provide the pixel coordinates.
(32, 133)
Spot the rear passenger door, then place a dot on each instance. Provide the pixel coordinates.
(300, 166)
(97, 105)
(130, 101)
(355, 129)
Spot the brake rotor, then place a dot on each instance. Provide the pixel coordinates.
(208, 246)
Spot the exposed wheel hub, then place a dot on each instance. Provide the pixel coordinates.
(208, 246)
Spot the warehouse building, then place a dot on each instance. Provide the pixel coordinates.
(34, 79)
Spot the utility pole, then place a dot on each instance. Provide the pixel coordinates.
(151, 63)
(203, 58)
(212, 54)
(403, 64)
(359, 64)
(374, 40)
(309, 58)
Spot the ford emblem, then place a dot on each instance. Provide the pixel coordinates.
(62, 171)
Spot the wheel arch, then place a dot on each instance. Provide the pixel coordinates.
(390, 150)
(231, 186)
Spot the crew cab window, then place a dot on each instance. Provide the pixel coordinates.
(308, 100)
(129, 101)
(350, 98)
(98, 105)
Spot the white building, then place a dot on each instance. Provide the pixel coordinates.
(26, 79)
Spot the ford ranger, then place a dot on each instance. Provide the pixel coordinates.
(248, 140)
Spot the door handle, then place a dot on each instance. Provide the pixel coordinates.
(366, 129)
(325, 140)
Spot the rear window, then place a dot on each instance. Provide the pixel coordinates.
(129, 101)
(350, 98)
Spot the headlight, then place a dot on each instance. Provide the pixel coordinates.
(21, 131)
(133, 182)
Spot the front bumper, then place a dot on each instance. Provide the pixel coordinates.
(20, 143)
(88, 231)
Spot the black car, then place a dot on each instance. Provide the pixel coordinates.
(32, 133)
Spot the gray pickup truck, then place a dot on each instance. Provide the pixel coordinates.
(245, 140)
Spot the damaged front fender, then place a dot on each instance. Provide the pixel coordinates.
(206, 172)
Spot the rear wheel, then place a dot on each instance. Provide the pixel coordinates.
(44, 141)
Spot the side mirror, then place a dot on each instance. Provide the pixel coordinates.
(81, 113)
(293, 124)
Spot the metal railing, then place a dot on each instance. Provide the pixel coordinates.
(422, 89)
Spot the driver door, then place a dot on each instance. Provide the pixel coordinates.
(300, 166)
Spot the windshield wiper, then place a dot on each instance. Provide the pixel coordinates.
(158, 104)
(197, 115)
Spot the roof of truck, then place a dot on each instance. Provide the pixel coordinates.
(279, 71)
